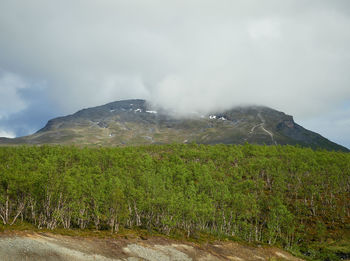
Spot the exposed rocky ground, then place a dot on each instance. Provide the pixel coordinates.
(43, 246)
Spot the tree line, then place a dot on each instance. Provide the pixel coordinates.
(273, 194)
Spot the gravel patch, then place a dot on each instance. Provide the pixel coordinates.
(50, 247)
(158, 252)
(19, 248)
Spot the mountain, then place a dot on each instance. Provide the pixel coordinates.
(135, 122)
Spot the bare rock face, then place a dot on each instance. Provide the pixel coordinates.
(40, 247)
(136, 122)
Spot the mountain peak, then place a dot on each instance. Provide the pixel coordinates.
(136, 122)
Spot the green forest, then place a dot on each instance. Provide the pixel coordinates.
(296, 198)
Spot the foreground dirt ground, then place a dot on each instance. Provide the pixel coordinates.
(30, 246)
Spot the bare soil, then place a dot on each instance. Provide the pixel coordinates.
(31, 246)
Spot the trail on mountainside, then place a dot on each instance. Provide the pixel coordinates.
(261, 125)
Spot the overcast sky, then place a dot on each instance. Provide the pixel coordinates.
(57, 57)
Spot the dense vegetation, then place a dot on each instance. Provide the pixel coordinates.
(282, 195)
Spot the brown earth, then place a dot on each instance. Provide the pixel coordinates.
(30, 246)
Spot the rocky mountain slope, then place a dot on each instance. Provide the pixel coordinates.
(135, 122)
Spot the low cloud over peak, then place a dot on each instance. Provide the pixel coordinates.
(181, 55)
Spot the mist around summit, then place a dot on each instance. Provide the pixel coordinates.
(184, 56)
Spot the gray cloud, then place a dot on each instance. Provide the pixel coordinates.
(10, 100)
(183, 55)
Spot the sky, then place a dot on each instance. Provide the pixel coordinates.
(57, 57)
